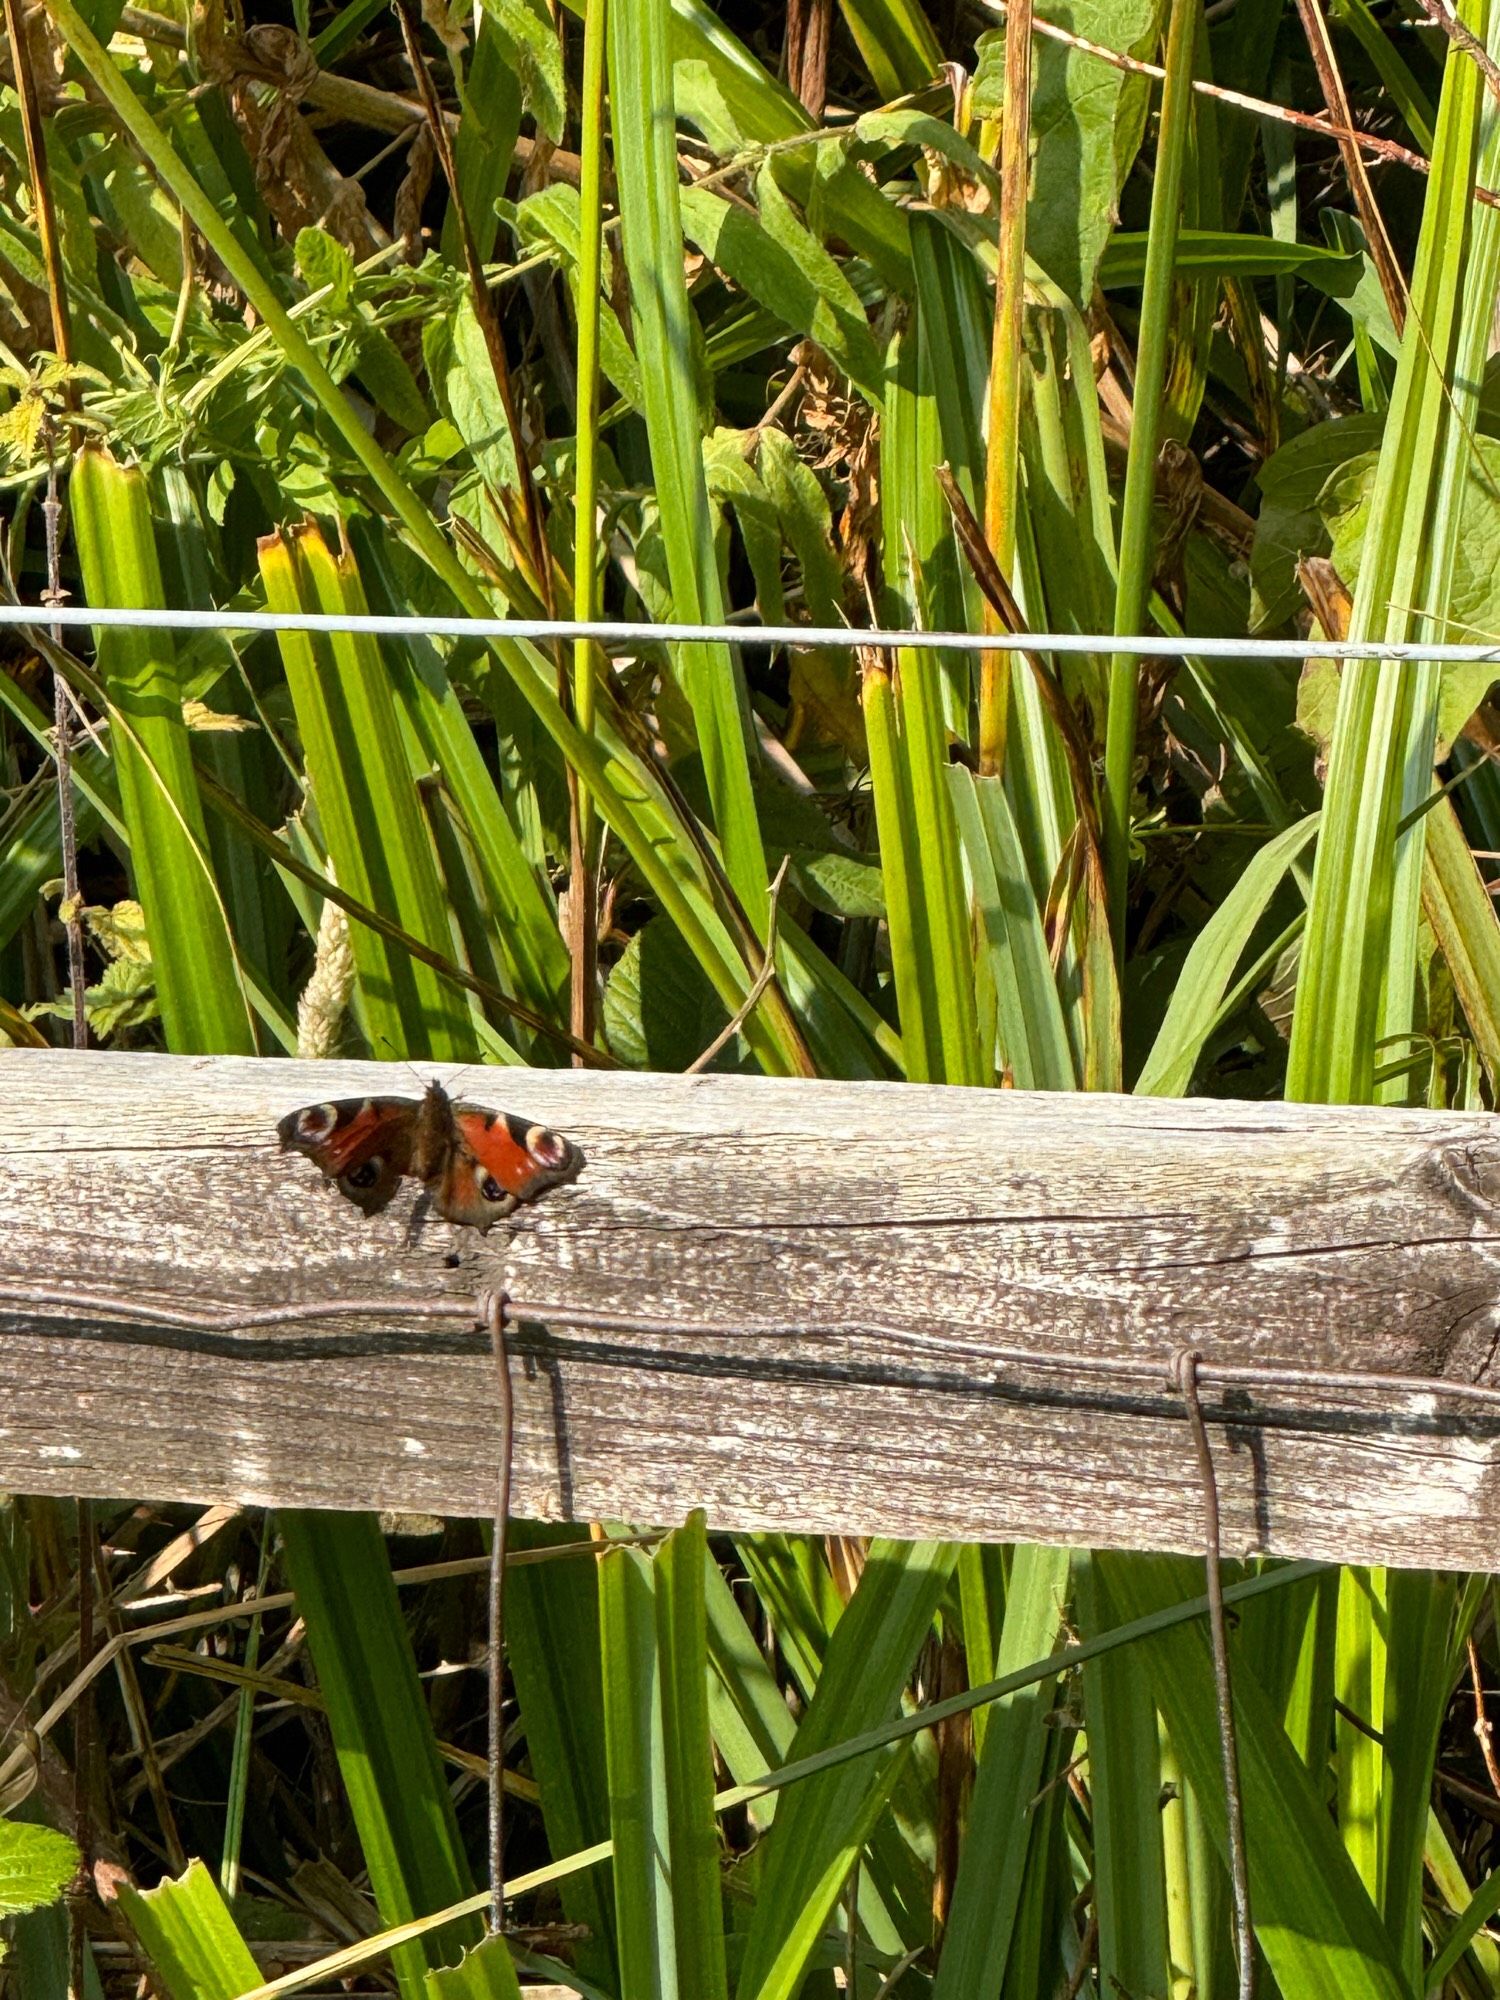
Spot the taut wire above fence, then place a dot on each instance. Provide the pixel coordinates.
(641, 632)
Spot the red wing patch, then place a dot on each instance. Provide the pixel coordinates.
(362, 1143)
(499, 1161)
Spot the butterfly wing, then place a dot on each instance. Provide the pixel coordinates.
(494, 1162)
(363, 1144)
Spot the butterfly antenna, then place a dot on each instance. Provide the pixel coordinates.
(400, 1056)
(496, 1311)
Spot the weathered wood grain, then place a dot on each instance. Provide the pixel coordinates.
(912, 1229)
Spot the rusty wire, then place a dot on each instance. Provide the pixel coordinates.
(1184, 1378)
(494, 1312)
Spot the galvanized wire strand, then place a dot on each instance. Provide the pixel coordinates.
(641, 632)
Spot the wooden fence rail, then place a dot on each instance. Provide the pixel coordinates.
(822, 1282)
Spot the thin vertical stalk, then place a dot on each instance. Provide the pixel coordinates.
(1133, 589)
(244, 1721)
(482, 302)
(45, 213)
(900, 849)
(1002, 458)
(62, 736)
(586, 485)
(83, 1731)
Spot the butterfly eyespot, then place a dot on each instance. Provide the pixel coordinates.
(317, 1120)
(366, 1174)
(550, 1148)
(489, 1188)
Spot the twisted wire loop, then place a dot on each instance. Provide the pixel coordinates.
(1186, 1365)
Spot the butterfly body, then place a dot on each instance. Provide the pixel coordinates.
(476, 1165)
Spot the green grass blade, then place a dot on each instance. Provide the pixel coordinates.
(381, 1728)
(639, 1815)
(682, 1646)
(645, 151)
(361, 783)
(987, 1897)
(551, 1617)
(487, 1971)
(1481, 1906)
(519, 895)
(752, 1726)
(628, 795)
(1356, 979)
(1419, 1662)
(1124, 1752)
(1198, 995)
(905, 907)
(186, 1931)
(489, 121)
(936, 858)
(821, 1826)
(202, 1001)
(898, 43)
(1137, 534)
(1316, 1924)
(1032, 1032)
(666, 1849)
(1467, 928)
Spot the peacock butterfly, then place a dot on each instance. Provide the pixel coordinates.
(476, 1165)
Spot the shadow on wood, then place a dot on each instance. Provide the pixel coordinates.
(905, 1233)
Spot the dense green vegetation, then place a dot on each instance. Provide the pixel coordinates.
(663, 313)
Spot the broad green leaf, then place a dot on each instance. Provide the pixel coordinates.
(36, 1865)
(1474, 589)
(779, 263)
(1289, 523)
(323, 260)
(1087, 119)
(536, 59)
